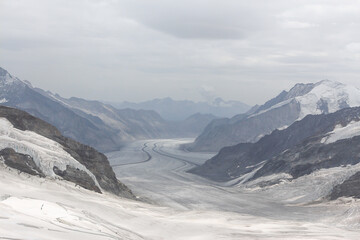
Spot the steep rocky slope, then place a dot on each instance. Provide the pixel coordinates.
(315, 143)
(33, 146)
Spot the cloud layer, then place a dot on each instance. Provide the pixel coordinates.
(138, 50)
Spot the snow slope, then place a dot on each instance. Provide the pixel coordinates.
(45, 152)
(335, 94)
(342, 132)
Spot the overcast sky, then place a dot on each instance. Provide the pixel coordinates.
(187, 49)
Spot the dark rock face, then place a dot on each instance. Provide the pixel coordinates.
(93, 160)
(98, 164)
(311, 156)
(21, 162)
(349, 188)
(77, 176)
(296, 150)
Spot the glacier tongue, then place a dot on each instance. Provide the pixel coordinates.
(45, 152)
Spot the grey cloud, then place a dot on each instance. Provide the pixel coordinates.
(199, 19)
(245, 50)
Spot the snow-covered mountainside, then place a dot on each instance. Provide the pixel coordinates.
(173, 110)
(303, 99)
(92, 122)
(315, 143)
(33, 146)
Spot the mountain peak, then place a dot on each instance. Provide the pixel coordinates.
(329, 83)
(300, 89)
(7, 79)
(3, 72)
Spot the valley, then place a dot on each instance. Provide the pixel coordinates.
(296, 180)
(179, 120)
(163, 181)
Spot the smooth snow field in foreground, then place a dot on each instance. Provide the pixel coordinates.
(172, 204)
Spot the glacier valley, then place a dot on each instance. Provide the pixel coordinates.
(173, 204)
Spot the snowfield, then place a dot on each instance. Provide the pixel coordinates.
(175, 205)
(342, 132)
(334, 93)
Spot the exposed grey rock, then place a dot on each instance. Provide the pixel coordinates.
(311, 155)
(349, 188)
(77, 176)
(21, 162)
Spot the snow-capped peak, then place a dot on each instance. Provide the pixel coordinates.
(330, 83)
(300, 89)
(328, 96)
(6, 79)
(325, 96)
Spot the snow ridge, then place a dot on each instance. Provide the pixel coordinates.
(323, 97)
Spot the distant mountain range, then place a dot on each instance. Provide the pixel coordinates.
(280, 112)
(173, 110)
(92, 122)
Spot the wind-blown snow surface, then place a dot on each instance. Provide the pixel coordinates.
(45, 152)
(184, 206)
